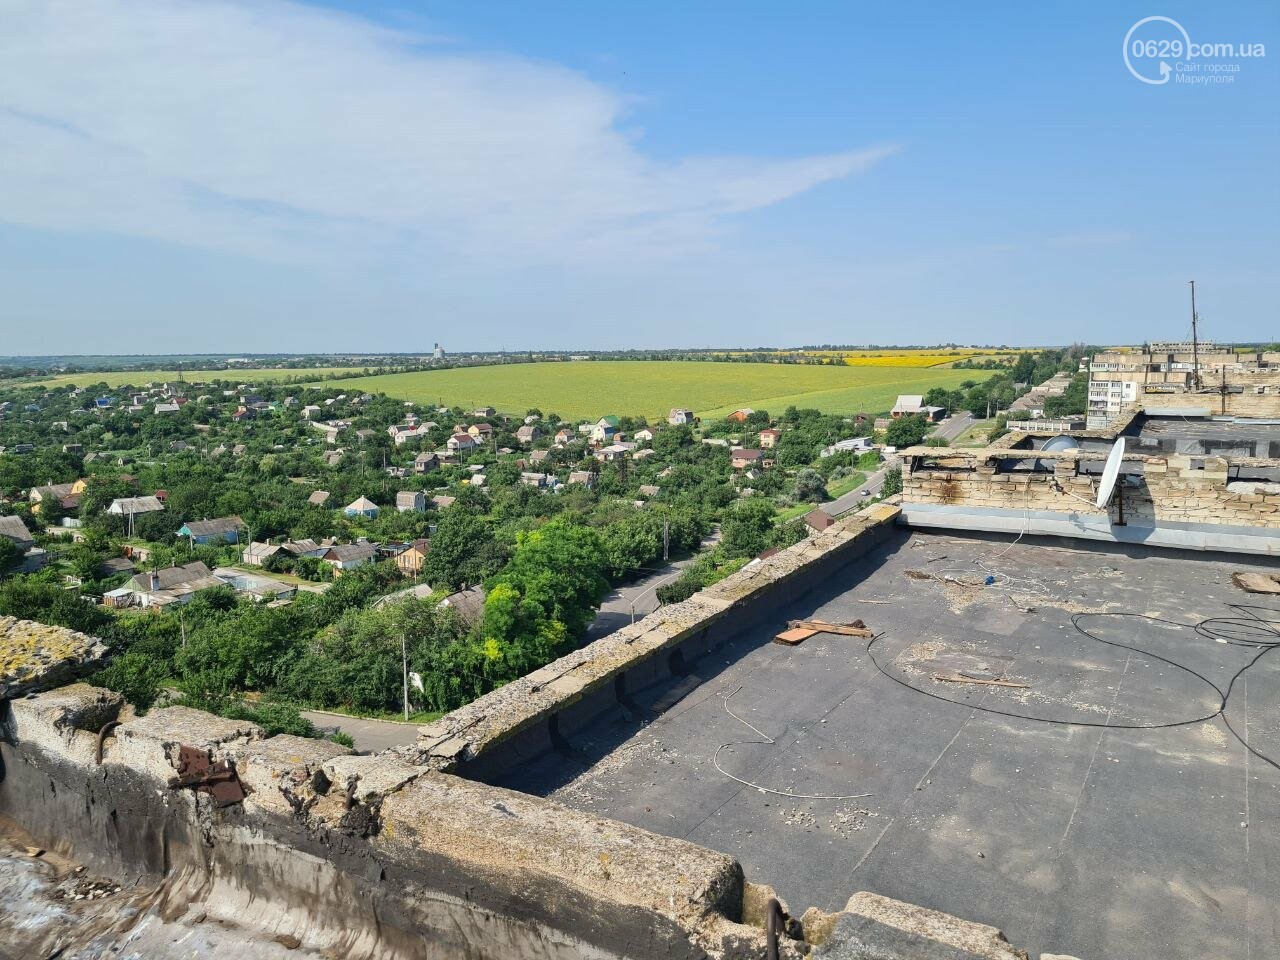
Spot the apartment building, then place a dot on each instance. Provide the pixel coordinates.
(1161, 371)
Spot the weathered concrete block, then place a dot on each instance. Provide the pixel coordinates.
(35, 656)
(65, 720)
(279, 772)
(151, 744)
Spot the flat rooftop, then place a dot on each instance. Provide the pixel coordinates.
(1084, 836)
(1199, 436)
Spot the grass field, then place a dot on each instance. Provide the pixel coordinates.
(650, 388)
(137, 378)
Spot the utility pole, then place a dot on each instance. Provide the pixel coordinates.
(404, 662)
(1195, 340)
(666, 540)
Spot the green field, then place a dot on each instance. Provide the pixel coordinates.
(138, 378)
(650, 388)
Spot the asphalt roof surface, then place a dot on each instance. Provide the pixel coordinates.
(1094, 841)
(1198, 436)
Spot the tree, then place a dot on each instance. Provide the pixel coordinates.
(544, 596)
(10, 555)
(745, 529)
(1073, 400)
(892, 482)
(906, 431)
(810, 486)
(462, 551)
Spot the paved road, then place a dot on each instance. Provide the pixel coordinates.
(858, 496)
(615, 608)
(952, 428)
(368, 734)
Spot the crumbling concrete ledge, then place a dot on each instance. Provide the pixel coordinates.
(35, 656)
(332, 854)
(527, 714)
(359, 856)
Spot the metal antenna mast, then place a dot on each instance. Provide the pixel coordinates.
(1195, 340)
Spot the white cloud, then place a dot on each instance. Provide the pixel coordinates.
(274, 129)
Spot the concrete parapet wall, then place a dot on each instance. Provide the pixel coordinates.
(361, 856)
(525, 716)
(1259, 396)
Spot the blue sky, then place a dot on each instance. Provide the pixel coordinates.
(265, 176)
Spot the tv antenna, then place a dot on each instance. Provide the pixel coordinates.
(1195, 340)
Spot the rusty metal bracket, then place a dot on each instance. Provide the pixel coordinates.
(102, 738)
(774, 922)
(219, 780)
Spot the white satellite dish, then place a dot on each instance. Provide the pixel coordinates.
(1055, 445)
(1107, 487)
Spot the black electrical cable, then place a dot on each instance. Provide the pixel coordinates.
(1225, 629)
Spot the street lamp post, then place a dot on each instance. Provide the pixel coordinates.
(637, 597)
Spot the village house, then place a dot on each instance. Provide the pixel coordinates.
(563, 436)
(349, 556)
(460, 442)
(127, 506)
(818, 520)
(604, 429)
(256, 554)
(769, 438)
(585, 477)
(402, 435)
(56, 492)
(14, 529)
(410, 559)
(411, 501)
(306, 548)
(260, 588)
(853, 445)
(172, 585)
(615, 451)
(740, 416)
(443, 501)
(539, 456)
(741, 458)
(649, 491)
(223, 529)
(318, 498)
(680, 416)
(480, 431)
(330, 429)
(912, 404)
(426, 462)
(530, 479)
(643, 435)
(468, 604)
(528, 434)
(361, 507)
(484, 412)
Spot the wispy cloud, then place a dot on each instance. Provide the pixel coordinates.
(277, 130)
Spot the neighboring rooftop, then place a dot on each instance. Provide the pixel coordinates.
(1140, 838)
(1219, 437)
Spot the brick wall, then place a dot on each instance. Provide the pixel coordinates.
(1170, 489)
